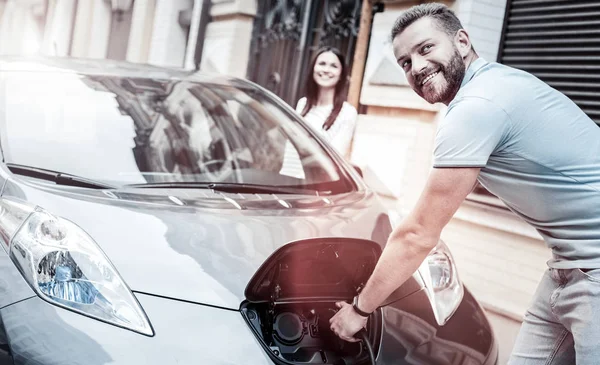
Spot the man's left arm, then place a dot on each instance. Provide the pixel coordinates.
(409, 244)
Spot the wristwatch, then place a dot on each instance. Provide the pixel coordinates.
(358, 310)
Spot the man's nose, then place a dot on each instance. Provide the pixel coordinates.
(418, 64)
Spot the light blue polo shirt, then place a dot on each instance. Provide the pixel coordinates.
(538, 151)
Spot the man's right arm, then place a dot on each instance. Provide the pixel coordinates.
(411, 242)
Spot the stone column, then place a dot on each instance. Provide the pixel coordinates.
(21, 27)
(92, 29)
(7, 27)
(188, 62)
(59, 26)
(141, 31)
(2, 5)
(483, 21)
(169, 38)
(228, 37)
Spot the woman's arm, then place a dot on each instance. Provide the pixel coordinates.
(300, 105)
(342, 130)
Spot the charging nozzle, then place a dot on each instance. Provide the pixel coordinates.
(362, 334)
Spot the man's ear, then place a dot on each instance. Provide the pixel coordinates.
(462, 42)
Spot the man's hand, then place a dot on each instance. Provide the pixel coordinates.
(346, 322)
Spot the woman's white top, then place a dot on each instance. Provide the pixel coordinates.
(341, 132)
(339, 135)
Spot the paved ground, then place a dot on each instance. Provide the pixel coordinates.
(506, 330)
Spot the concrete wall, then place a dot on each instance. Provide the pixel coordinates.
(483, 20)
(500, 258)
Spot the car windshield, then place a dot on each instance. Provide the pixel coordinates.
(142, 131)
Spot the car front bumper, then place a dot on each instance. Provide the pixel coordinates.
(185, 333)
(39, 333)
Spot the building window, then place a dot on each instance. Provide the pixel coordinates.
(559, 42)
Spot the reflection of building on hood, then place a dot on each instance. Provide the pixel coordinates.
(245, 125)
(199, 127)
(140, 99)
(185, 134)
(189, 128)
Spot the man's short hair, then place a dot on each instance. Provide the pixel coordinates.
(445, 18)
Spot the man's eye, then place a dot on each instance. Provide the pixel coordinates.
(405, 64)
(427, 48)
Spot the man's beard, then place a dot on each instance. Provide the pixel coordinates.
(453, 72)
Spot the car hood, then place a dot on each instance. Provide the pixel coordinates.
(199, 245)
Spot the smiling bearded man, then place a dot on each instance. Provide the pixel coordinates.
(433, 91)
(528, 144)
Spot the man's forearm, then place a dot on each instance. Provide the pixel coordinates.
(401, 257)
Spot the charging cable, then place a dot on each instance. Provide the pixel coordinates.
(362, 334)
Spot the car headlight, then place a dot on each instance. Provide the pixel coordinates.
(444, 289)
(65, 267)
(440, 277)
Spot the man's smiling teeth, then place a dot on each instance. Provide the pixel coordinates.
(429, 77)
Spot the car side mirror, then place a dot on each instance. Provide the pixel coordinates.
(359, 170)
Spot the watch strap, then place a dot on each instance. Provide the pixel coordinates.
(358, 310)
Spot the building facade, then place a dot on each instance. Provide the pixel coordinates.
(160, 32)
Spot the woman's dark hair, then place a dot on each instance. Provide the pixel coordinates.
(312, 89)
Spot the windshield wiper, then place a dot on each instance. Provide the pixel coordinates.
(60, 178)
(231, 188)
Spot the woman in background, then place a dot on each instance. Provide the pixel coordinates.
(323, 107)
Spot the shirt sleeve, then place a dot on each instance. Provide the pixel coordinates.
(471, 131)
(300, 105)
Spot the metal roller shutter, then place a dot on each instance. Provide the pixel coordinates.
(559, 42)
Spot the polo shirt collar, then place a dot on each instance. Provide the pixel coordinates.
(472, 70)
